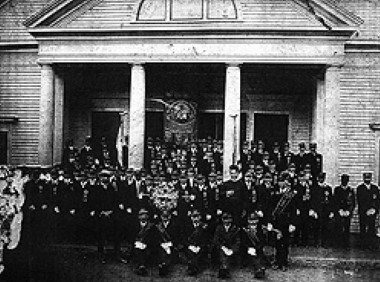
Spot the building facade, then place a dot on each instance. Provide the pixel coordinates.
(310, 69)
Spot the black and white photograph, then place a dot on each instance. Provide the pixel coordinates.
(190, 140)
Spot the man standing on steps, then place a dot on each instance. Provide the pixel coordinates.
(368, 204)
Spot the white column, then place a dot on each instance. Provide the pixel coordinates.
(58, 117)
(318, 113)
(331, 124)
(46, 134)
(137, 117)
(231, 152)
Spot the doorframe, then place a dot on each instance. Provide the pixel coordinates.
(252, 122)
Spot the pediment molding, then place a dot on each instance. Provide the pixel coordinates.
(56, 16)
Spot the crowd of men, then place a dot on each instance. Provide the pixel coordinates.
(179, 207)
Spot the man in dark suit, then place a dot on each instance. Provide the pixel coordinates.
(105, 208)
(232, 195)
(368, 203)
(301, 159)
(169, 237)
(322, 210)
(226, 243)
(315, 160)
(344, 199)
(195, 241)
(144, 242)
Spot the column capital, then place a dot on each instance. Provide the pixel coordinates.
(334, 66)
(234, 64)
(137, 64)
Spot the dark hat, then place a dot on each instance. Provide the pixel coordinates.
(302, 145)
(143, 212)
(105, 172)
(165, 214)
(253, 216)
(268, 175)
(195, 213)
(345, 177)
(275, 144)
(200, 177)
(286, 144)
(283, 176)
(234, 167)
(212, 175)
(129, 171)
(183, 176)
(313, 145)
(248, 174)
(367, 175)
(226, 214)
(292, 165)
(322, 175)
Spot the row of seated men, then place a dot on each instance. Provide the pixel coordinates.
(206, 156)
(201, 156)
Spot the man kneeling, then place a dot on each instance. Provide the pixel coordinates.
(227, 243)
(252, 245)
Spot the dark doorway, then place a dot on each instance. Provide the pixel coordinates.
(271, 128)
(210, 125)
(3, 147)
(154, 124)
(105, 124)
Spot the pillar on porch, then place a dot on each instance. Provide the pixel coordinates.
(330, 149)
(58, 117)
(137, 117)
(318, 113)
(46, 134)
(231, 152)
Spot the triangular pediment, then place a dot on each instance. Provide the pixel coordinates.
(256, 14)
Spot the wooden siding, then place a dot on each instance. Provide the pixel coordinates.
(12, 15)
(360, 104)
(278, 13)
(19, 96)
(107, 14)
(369, 11)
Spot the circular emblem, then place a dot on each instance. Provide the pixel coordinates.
(181, 112)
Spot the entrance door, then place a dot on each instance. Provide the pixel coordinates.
(3, 147)
(154, 124)
(211, 125)
(271, 128)
(106, 124)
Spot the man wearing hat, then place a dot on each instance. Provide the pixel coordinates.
(203, 199)
(287, 158)
(195, 241)
(144, 242)
(344, 199)
(303, 202)
(252, 241)
(127, 203)
(283, 217)
(169, 237)
(301, 159)
(232, 195)
(315, 160)
(105, 208)
(86, 155)
(322, 210)
(368, 204)
(226, 243)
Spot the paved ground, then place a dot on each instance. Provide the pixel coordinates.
(74, 263)
(66, 262)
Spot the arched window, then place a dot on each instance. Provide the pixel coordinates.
(186, 10)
